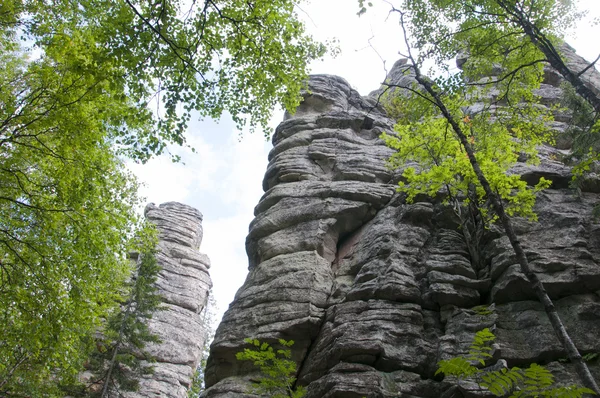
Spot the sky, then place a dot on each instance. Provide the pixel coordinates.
(223, 179)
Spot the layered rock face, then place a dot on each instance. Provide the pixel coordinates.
(375, 291)
(184, 284)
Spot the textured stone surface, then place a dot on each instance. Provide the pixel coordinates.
(184, 284)
(375, 291)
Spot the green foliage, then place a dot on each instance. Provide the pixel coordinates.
(480, 348)
(592, 356)
(82, 84)
(67, 210)
(501, 382)
(442, 166)
(276, 367)
(362, 8)
(501, 69)
(535, 381)
(159, 61)
(442, 29)
(458, 367)
(468, 129)
(461, 366)
(584, 130)
(596, 212)
(197, 385)
(483, 310)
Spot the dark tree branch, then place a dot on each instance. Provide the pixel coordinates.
(589, 66)
(547, 48)
(496, 202)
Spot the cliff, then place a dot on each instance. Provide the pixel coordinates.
(375, 291)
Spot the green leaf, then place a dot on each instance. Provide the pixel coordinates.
(277, 369)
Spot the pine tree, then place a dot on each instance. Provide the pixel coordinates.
(120, 359)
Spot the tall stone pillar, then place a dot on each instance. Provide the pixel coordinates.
(184, 284)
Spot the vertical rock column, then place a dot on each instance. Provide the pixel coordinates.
(184, 284)
(326, 179)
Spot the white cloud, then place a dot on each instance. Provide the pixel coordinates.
(246, 161)
(223, 180)
(584, 36)
(365, 42)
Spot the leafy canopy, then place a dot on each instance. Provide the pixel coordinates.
(433, 159)
(159, 61)
(82, 84)
(491, 95)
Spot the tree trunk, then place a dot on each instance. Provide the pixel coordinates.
(552, 55)
(113, 359)
(537, 286)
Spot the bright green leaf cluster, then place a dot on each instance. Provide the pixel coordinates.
(493, 94)
(502, 381)
(277, 369)
(461, 366)
(483, 310)
(67, 211)
(491, 97)
(479, 351)
(82, 84)
(535, 381)
(434, 161)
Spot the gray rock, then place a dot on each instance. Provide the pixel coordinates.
(375, 291)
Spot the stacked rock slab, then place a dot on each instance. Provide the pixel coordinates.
(183, 284)
(375, 291)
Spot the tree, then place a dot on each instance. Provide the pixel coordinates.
(117, 360)
(526, 16)
(161, 61)
(82, 84)
(208, 325)
(535, 30)
(541, 24)
(67, 207)
(439, 29)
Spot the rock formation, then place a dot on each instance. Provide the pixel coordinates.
(184, 284)
(375, 291)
